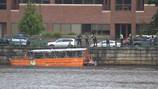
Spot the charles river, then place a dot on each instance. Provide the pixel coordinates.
(107, 77)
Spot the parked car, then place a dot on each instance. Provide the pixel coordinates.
(63, 42)
(104, 44)
(155, 41)
(4, 41)
(141, 41)
(20, 40)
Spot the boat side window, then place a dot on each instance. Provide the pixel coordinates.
(73, 54)
(49, 55)
(61, 54)
(70, 54)
(66, 54)
(78, 53)
(38, 55)
(19, 54)
(56, 54)
(45, 55)
(53, 55)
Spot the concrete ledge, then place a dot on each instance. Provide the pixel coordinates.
(149, 5)
(122, 56)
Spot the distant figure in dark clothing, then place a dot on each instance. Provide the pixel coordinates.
(107, 42)
(152, 40)
(79, 40)
(86, 40)
(94, 38)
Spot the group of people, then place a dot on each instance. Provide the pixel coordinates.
(87, 39)
(128, 40)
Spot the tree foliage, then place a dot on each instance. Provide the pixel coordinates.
(153, 2)
(143, 29)
(31, 23)
(152, 27)
(154, 24)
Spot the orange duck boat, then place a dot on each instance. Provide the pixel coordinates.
(69, 57)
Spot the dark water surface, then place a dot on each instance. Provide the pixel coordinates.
(107, 77)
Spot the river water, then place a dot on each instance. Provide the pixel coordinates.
(107, 77)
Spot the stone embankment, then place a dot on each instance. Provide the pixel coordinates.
(137, 56)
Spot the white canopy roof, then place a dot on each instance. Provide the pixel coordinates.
(58, 50)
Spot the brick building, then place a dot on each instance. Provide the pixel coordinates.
(103, 17)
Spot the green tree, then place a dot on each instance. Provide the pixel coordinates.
(144, 27)
(153, 2)
(31, 23)
(154, 24)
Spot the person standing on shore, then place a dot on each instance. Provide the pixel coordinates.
(86, 40)
(107, 42)
(79, 40)
(121, 39)
(94, 38)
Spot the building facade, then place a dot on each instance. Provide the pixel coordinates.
(102, 17)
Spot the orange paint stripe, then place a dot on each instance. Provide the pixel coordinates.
(58, 62)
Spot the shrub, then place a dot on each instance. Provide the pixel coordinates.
(72, 33)
(56, 35)
(50, 34)
(38, 42)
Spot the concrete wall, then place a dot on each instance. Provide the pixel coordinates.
(140, 56)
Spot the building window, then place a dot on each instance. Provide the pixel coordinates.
(106, 4)
(3, 4)
(46, 1)
(124, 29)
(76, 28)
(14, 28)
(78, 1)
(99, 1)
(67, 1)
(35, 1)
(142, 28)
(56, 28)
(140, 5)
(138, 28)
(66, 28)
(86, 28)
(99, 29)
(15, 4)
(58, 1)
(123, 5)
(88, 2)
(62, 28)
